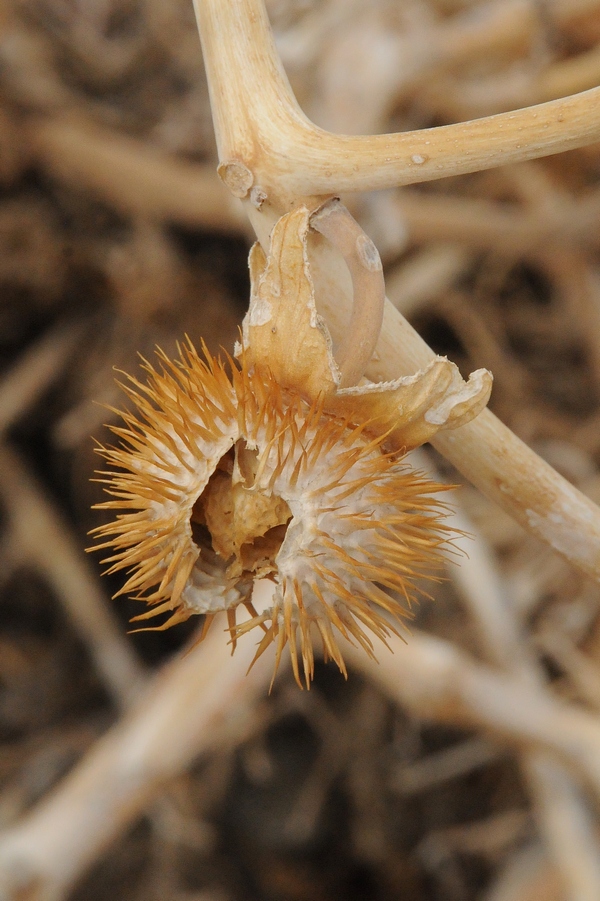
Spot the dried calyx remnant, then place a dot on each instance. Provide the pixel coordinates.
(277, 484)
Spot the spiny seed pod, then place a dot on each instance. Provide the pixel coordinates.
(265, 485)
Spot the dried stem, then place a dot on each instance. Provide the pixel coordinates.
(132, 176)
(563, 815)
(36, 534)
(264, 138)
(528, 876)
(499, 463)
(361, 256)
(185, 711)
(40, 539)
(22, 385)
(267, 144)
(435, 681)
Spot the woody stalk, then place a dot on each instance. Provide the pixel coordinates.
(274, 159)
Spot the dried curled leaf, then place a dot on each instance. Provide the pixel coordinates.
(282, 329)
(413, 408)
(284, 333)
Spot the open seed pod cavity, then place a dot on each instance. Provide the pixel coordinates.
(264, 486)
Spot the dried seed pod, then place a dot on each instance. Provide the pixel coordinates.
(270, 488)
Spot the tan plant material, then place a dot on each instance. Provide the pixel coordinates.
(269, 149)
(540, 216)
(185, 710)
(266, 140)
(276, 474)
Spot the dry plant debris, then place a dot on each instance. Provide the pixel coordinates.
(464, 767)
(283, 484)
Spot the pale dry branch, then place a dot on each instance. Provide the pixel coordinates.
(265, 142)
(36, 368)
(264, 138)
(39, 538)
(564, 818)
(528, 876)
(414, 284)
(483, 224)
(195, 703)
(436, 681)
(131, 175)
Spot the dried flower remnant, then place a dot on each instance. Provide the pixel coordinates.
(267, 486)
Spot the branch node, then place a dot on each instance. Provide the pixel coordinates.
(257, 196)
(236, 176)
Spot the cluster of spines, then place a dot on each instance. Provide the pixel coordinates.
(184, 406)
(406, 543)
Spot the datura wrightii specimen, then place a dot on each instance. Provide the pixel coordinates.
(277, 484)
